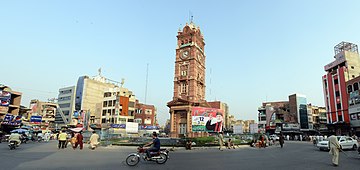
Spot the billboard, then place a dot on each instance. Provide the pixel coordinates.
(132, 127)
(5, 98)
(207, 119)
(12, 120)
(238, 129)
(35, 119)
(254, 128)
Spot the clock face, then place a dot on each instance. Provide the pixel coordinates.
(185, 54)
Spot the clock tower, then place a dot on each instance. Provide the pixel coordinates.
(189, 80)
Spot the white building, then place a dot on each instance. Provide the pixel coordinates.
(66, 101)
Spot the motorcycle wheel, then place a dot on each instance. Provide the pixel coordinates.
(132, 160)
(162, 160)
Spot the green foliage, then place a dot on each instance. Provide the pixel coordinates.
(203, 140)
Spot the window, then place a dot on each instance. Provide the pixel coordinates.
(340, 118)
(356, 86)
(183, 87)
(103, 120)
(104, 113)
(113, 111)
(110, 103)
(337, 93)
(349, 88)
(64, 105)
(352, 76)
(65, 98)
(114, 102)
(138, 111)
(107, 94)
(66, 113)
(105, 104)
(109, 111)
(352, 67)
(338, 106)
(336, 81)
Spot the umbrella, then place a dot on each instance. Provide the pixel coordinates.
(19, 131)
(76, 129)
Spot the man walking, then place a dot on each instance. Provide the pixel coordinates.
(79, 140)
(281, 140)
(334, 149)
(221, 141)
(94, 140)
(62, 139)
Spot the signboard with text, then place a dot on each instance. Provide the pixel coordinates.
(207, 119)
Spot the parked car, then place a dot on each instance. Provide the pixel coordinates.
(345, 143)
(274, 137)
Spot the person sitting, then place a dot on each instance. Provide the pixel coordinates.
(188, 145)
(15, 137)
(155, 147)
(230, 144)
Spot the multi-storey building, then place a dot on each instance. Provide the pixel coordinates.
(354, 104)
(189, 81)
(345, 67)
(9, 108)
(47, 111)
(145, 114)
(118, 106)
(90, 96)
(271, 116)
(66, 101)
(318, 118)
(298, 107)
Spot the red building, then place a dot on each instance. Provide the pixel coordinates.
(145, 115)
(345, 67)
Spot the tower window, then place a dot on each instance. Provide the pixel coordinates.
(353, 76)
(349, 88)
(336, 81)
(338, 106)
(356, 86)
(183, 87)
(352, 67)
(337, 93)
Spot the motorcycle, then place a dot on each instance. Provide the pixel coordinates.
(159, 157)
(12, 145)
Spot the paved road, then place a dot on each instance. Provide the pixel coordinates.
(294, 156)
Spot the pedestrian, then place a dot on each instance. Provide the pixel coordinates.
(188, 145)
(281, 140)
(221, 141)
(94, 140)
(334, 149)
(287, 137)
(62, 139)
(79, 140)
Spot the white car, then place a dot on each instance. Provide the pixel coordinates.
(274, 137)
(345, 143)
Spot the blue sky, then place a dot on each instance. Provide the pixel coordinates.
(256, 50)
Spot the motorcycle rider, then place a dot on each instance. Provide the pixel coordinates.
(155, 147)
(15, 137)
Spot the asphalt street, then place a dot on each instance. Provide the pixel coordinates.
(294, 155)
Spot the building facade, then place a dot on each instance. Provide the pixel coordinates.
(345, 67)
(118, 106)
(9, 108)
(145, 114)
(66, 101)
(47, 111)
(271, 115)
(189, 81)
(90, 96)
(298, 107)
(354, 104)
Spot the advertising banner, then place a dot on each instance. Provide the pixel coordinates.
(5, 98)
(132, 127)
(120, 126)
(254, 128)
(238, 129)
(11, 120)
(207, 119)
(36, 119)
(148, 127)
